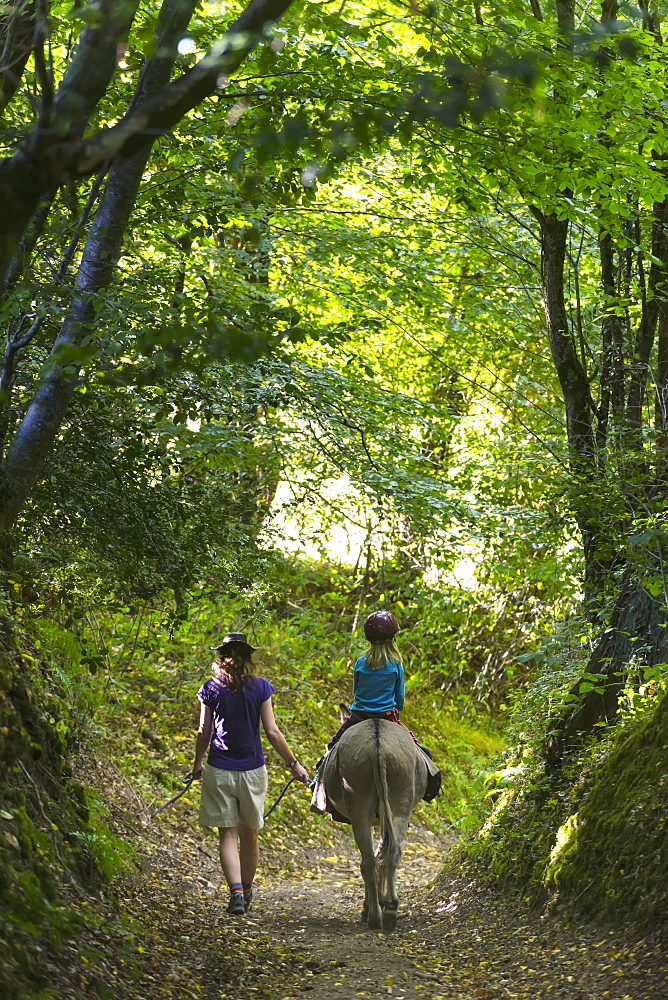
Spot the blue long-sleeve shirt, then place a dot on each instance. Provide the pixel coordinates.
(377, 690)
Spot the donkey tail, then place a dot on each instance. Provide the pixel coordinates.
(388, 841)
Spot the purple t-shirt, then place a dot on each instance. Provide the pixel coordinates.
(235, 743)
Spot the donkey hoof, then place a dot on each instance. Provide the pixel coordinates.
(389, 920)
(374, 923)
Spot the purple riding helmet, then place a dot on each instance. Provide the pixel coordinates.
(381, 626)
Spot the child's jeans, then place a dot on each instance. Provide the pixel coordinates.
(356, 717)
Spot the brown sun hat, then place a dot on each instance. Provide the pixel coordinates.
(235, 637)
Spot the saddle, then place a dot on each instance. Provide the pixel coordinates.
(321, 803)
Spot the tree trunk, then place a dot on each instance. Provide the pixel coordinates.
(578, 405)
(661, 403)
(637, 631)
(38, 430)
(571, 374)
(612, 373)
(640, 365)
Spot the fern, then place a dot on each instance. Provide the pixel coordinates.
(59, 642)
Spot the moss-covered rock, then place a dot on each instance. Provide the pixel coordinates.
(613, 852)
(592, 836)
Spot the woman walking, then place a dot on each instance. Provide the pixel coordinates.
(233, 704)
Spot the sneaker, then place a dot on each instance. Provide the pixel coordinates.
(248, 899)
(236, 904)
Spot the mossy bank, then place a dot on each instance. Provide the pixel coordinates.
(591, 836)
(53, 836)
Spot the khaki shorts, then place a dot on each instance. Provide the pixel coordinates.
(232, 797)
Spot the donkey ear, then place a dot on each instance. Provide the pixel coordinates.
(344, 712)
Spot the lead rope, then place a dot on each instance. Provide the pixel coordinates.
(285, 788)
(174, 799)
(170, 802)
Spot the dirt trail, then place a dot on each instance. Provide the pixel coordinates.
(455, 940)
(320, 913)
(458, 943)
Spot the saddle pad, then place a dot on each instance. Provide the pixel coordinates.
(319, 801)
(431, 766)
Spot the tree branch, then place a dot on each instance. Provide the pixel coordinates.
(41, 423)
(42, 71)
(88, 74)
(163, 110)
(17, 28)
(45, 161)
(28, 177)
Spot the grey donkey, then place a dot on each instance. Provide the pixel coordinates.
(375, 776)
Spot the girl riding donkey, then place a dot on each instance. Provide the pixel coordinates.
(378, 693)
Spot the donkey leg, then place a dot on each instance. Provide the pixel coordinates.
(389, 899)
(369, 869)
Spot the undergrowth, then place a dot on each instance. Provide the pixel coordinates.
(54, 840)
(587, 836)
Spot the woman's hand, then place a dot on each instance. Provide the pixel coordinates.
(196, 773)
(300, 773)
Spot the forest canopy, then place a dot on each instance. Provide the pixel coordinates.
(312, 308)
